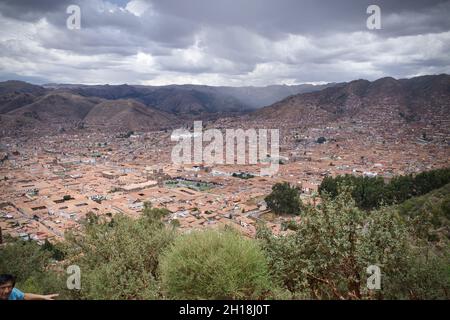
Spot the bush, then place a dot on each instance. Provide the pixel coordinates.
(214, 265)
(429, 215)
(425, 275)
(32, 259)
(119, 259)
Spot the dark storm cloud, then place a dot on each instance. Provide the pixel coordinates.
(275, 18)
(30, 10)
(267, 17)
(221, 41)
(105, 23)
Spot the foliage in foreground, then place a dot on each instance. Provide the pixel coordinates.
(429, 215)
(215, 265)
(324, 256)
(119, 259)
(327, 256)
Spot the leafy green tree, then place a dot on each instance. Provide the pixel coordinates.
(175, 223)
(215, 265)
(330, 186)
(91, 218)
(284, 199)
(55, 251)
(424, 275)
(400, 189)
(327, 257)
(32, 259)
(371, 192)
(321, 140)
(154, 215)
(427, 181)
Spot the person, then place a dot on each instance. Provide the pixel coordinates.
(9, 292)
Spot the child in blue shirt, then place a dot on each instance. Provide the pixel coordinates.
(8, 292)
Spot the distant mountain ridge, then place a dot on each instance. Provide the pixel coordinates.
(129, 114)
(199, 98)
(415, 99)
(420, 99)
(58, 105)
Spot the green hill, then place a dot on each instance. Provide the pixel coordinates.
(429, 214)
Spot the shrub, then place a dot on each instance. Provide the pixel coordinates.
(214, 265)
(119, 259)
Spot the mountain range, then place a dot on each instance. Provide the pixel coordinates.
(135, 107)
(130, 107)
(418, 99)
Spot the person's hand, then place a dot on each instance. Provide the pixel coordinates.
(50, 296)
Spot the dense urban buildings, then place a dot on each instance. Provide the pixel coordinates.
(50, 181)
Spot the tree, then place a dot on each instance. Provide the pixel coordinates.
(284, 199)
(24, 251)
(215, 265)
(327, 257)
(91, 218)
(154, 215)
(175, 223)
(371, 192)
(56, 252)
(321, 140)
(330, 186)
(424, 274)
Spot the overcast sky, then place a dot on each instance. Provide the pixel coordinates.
(221, 42)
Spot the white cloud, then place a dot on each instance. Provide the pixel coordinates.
(138, 7)
(137, 44)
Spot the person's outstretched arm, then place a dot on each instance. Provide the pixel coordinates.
(32, 296)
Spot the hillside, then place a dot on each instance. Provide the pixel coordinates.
(13, 86)
(430, 213)
(385, 102)
(193, 99)
(16, 94)
(129, 114)
(423, 99)
(57, 107)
